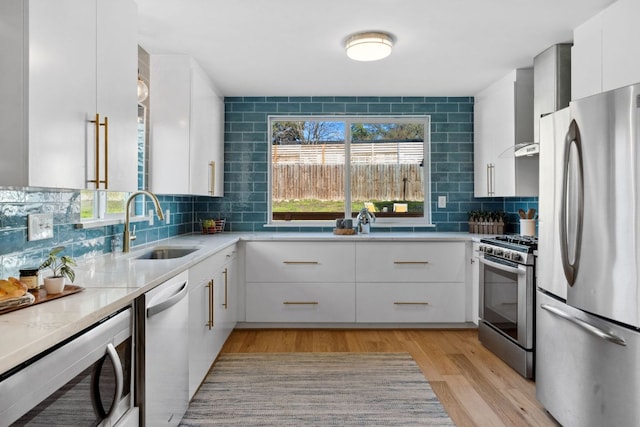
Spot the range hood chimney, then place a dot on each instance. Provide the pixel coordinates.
(551, 90)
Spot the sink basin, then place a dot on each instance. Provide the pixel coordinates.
(167, 252)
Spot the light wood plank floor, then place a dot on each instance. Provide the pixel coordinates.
(475, 387)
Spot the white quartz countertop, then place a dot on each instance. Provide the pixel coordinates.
(112, 282)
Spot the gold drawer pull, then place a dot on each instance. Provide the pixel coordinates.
(300, 302)
(301, 262)
(411, 262)
(411, 303)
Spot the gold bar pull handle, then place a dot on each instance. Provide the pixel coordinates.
(301, 262)
(226, 277)
(96, 156)
(209, 323)
(411, 303)
(212, 178)
(411, 262)
(300, 302)
(106, 153)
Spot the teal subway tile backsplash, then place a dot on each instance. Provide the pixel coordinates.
(81, 243)
(246, 188)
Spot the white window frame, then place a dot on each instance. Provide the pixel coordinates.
(424, 221)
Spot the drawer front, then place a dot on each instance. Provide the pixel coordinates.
(295, 262)
(289, 302)
(410, 302)
(410, 262)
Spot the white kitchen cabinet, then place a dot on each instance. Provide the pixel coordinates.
(410, 262)
(295, 262)
(63, 63)
(503, 117)
(398, 302)
(474, 282)
(300, 302)
(212, 311)
(300, 281)
(186, 129)
(416, 282)
(355, 282)
(586, 58)
(602, 57)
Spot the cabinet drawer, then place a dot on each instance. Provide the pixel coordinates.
(410, 302)
(284, 262)
(303, 302)
(205, 270)
(410, 262)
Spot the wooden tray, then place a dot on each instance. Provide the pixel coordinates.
(42, 296)
(344, 231)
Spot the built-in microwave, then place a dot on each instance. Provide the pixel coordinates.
(85, 381)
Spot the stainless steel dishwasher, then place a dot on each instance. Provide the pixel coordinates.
(162, 358)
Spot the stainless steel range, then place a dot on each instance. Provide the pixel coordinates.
(507, 306)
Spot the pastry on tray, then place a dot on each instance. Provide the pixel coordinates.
(13, 293)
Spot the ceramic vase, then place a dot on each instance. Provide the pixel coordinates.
(54, 285)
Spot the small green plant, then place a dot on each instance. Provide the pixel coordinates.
(59, 265)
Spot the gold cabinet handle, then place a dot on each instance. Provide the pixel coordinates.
(106, 153)
(411, 262)
(226, 276)
(301, 262)
(212, 179)
(300, 302)
(210, 319)
(411, 303)
(97, 180)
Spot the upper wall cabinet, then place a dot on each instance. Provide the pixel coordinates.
(603, 55)
(187, 129)
(503, 117)
(64, 64)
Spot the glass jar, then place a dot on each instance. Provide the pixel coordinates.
(29, 276)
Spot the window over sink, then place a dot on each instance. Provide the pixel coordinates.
(327, 167)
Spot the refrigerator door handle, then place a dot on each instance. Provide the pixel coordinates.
(570, 267)
(594, 330)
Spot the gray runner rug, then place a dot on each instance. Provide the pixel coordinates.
(316, 389)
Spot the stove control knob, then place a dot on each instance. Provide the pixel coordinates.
(516, 257)
(488, 250)
(498, 252)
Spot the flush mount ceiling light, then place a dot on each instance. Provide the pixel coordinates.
(369, 46)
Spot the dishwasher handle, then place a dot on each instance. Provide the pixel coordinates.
(169, 302)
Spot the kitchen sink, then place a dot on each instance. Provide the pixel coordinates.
(167, 252)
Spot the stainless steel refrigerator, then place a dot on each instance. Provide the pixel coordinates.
(588, 267)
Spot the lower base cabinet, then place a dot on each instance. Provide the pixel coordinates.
(212, 312)
(356, 282)
(410, 302)
(300, 302)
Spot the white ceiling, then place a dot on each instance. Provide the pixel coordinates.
(295, 47)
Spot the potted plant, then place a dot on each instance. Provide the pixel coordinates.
(364, 220)
(60, 267)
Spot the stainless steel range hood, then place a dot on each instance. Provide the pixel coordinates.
(551, 90)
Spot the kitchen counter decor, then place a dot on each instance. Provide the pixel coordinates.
(212, 226)
(33, 298)
(484, 222)
(60, 267)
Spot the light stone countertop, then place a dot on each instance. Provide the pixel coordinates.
(112, 282)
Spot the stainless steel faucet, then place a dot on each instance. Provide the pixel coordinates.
(126, 243)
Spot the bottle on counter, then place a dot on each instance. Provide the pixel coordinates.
(29, 276)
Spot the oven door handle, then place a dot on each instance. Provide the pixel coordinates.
(503, 267)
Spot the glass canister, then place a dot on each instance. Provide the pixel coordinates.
(29, 276)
